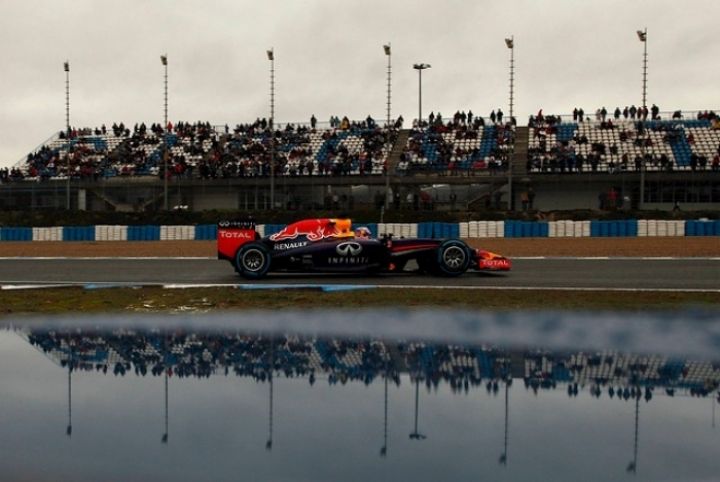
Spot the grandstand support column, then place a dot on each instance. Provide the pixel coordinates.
(271, 58)
(66, 66)
(510, 43)
(163, 59)
(388, 53)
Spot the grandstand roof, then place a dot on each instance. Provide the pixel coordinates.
(566, 54)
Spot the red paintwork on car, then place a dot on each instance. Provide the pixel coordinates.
(229, 239)
(489, 261)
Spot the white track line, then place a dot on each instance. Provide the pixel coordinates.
(512, 258)
(103, 258)
(337, 287)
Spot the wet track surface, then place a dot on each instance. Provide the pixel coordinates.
(581, 273)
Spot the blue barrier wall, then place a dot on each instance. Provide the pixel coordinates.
(206, 232)
(702, 228)
(16, 234)
(620, 228)
(513, 229)
(79, 233)
(526, 229)
(143, 233)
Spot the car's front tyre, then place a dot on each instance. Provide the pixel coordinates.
(452, 258)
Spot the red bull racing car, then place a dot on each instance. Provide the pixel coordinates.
(331, 245)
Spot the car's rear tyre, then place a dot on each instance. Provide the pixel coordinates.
(252, 260)
(452, 258)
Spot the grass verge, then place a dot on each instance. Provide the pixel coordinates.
(158, 300)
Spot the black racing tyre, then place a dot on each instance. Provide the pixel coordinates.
(452, 258)
(253, 260)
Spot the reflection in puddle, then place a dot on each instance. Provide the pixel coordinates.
(427, 377)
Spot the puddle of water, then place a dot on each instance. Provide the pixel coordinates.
(234, 401)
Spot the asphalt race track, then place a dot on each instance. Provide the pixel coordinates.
(563, 273)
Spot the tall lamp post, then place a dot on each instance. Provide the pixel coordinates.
(164, 60)
(66, 66)
(510, 43)
(271, 58)
(420, 68)
(388, 53)
(642, 36)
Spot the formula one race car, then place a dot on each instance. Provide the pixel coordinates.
(331, 245)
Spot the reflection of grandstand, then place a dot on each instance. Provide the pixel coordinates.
(342, 360)
(614, 369)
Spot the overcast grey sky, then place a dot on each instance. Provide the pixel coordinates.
(329, 59)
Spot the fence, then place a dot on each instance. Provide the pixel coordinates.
(472, 229)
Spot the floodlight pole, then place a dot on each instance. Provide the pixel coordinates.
(643, 39)
(388, 53)
(271, 58)
(163, 59)
(642, 36)
(420, 68)
(67, 130)
(510, 43)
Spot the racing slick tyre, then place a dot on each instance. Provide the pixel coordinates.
(252, 260)
(452, 258)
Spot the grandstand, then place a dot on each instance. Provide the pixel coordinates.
(471, 163)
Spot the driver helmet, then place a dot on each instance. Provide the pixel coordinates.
(362, 232)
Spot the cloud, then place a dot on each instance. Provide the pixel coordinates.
(329, 59)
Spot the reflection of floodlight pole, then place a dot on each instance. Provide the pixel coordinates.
(503, 457)
(165, 435)
(632, 466)
(163, 59)
(269, 443)
(383, 449)
(271, 58)
(66, 66)
(68, 431)
(417, 435)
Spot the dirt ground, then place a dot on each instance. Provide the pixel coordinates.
(668, 246)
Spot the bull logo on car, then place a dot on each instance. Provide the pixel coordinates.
(348, 249)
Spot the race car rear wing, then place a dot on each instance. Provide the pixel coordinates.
(233, 234)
